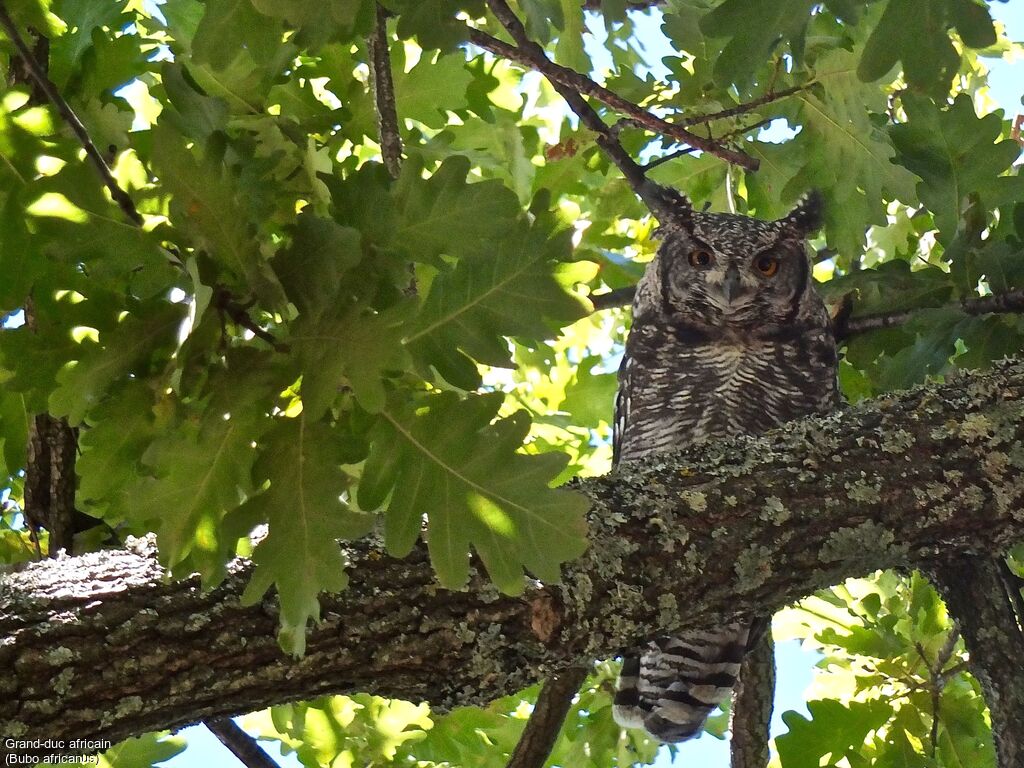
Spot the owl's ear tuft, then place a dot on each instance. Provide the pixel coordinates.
(670, 207)
(807, 216)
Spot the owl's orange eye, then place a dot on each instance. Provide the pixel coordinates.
(699, 258)
(767, 265)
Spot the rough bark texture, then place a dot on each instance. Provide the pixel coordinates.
(973, 588)
(104, 646)
(752, 706)
(50, 483)
(542, 729)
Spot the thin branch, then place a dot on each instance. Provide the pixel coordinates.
(748, 106)
(546, 720)
(1010, 302)
(383, 86)
(631, 5)
(565, 80)
(690, 150)
(617, 297)
(225, 302)
(242, 745)
(121, 197)
(533, 55)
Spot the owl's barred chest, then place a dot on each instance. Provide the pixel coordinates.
(686, 392)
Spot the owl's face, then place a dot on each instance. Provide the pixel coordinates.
(720, 270)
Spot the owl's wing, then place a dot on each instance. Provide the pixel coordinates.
(621, 417)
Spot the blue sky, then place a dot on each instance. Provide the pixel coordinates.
(795, 666)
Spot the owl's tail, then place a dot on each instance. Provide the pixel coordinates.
(676, 682)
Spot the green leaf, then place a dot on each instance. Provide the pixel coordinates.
(445, 215)
(508, 292)
(753, 31)
(212, 215)
(834, 729)
(320, 23)
(66, 51)
(917, 32)
(13, 432)
(120, 430)
(312, 266)
(569, 50)
(229, 27)
(300, 460)
(452, 464)
(125, 351)
(433, 22)
(957, 155)
(191, 112)
(848, 155)
(202, 470)
(589, 395)
(142, 751)
(431, 88)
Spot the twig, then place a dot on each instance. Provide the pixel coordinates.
(225, 302)
(565, 81)
(615, 298)
(546, 720)
(1018, 122)
(938, 679)
(1011, 301)
(242, 745)
(690, 150)
(632, 5)
(748, 106)
(121, 197)
(383, 86)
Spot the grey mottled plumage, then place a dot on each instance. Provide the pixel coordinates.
(729, 337)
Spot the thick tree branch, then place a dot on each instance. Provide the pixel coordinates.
(104, 646)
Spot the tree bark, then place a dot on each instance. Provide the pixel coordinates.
(752, 705)
(974, 592)
(104, 646)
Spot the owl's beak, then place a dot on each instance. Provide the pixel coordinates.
(731, 286)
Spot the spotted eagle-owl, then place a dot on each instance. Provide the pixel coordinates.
(729, 338)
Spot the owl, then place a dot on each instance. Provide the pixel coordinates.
(729, 338)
